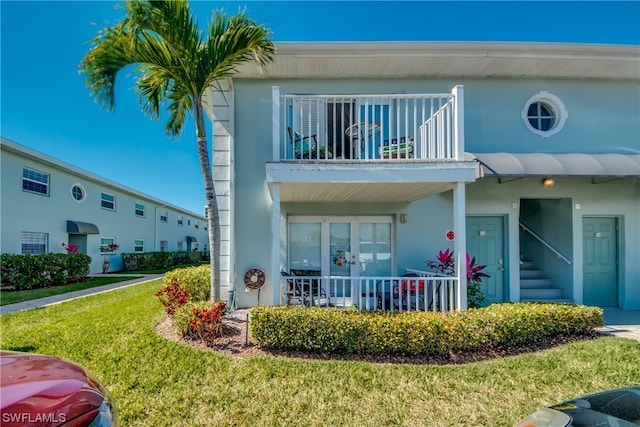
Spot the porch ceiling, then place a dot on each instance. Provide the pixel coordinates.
(448, 59)
(374, 182)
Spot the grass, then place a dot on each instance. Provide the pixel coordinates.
(12, 297)
(156, 382)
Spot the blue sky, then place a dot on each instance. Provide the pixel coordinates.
(45, 105)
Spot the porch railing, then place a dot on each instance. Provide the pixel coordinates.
(423, 291)
(363, 127)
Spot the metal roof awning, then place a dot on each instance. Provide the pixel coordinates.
(77, 227)
(572, 165)
(191, 239)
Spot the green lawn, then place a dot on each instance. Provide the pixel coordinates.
(12, 297)
(156, 382)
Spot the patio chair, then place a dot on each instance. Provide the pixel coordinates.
(304, 290)
(306, 147)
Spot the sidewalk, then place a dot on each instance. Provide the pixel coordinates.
(621, 323)
(55, 299)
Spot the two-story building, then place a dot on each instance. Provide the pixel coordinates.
(352, 164)
(47, 202)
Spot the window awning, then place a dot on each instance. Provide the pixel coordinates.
(191, 239)
(556, 165)
(77, 227)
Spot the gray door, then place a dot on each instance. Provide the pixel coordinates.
(485, 241)
(600, 260)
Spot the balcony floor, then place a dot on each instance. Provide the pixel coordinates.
(399, 181)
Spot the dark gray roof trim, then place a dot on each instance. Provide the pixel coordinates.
(191, 239)
(77, 227)
(557, 165)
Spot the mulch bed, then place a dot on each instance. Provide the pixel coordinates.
(236, 342)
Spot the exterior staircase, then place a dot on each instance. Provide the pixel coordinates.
(535, 287)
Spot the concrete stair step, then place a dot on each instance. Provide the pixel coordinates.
(544, 293)
(531, 274)
(538, 283)
(526, 265)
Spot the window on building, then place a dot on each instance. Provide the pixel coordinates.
(108, 201)
(78, 193)
(179, 246)
(35, 182)
(34, 243)
(164, 216)
(196, 224)
(107, 245)
(138, 245)
(164, 246)
(544, 114)
(180, 220)
(139, 210)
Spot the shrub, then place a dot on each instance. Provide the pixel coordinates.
(24, 272)
(159, 260)
(195, 280)
(418, 333)
(201, 320)
(172, 297)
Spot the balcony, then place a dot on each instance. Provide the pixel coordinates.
(367, 128)
(367, 147)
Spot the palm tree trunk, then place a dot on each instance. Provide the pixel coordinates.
(213, 216)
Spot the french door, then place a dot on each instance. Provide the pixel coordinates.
(349, 247)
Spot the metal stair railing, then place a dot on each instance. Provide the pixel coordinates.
(545, 243)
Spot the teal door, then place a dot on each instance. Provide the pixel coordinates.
(485, 241)
(600, 261)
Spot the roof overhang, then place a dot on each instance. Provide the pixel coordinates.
(329, 60)
(77, 227)
(570, 165)
(191, 239)
(366, 182)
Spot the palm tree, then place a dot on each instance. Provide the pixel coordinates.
(176, 65)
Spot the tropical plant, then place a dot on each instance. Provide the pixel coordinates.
(180, 65)
(445, 264)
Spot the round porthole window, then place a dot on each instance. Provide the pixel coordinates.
(78, 193)
(544, 114)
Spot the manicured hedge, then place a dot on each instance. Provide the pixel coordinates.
(195, 280)
(22, 272)
(159, 260)
(315, 329)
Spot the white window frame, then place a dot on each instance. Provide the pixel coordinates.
(138, 245)
(34, 174)
(139, 207)
(553, 103)
(34, 238)
(104, 242)
(103, 201)
(82, 189)
(164, 216)
(164, 245)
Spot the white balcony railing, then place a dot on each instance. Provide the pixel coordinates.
(423, 292)
(367, 127)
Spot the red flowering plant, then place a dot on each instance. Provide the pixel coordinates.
(206, 322)
(445, 264)
(172, 296)
(71, 248)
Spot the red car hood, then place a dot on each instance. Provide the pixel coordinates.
(40, 390)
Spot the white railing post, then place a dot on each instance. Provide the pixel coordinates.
(458, 123)
(275, 244)
(460, 244)
(275, 122)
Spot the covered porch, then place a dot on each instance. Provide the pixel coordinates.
(387, 149)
